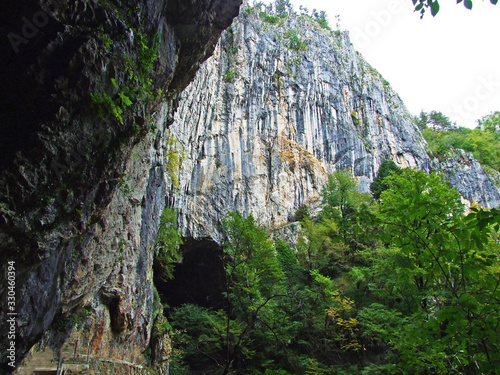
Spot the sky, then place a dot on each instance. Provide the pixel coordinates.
(449, 63)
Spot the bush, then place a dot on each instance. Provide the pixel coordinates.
(229, 76)
(273, 20)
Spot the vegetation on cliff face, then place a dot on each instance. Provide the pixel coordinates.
(443, 137)
(406, 284)
(403, 282)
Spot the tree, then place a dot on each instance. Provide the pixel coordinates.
(484, 141)
(435, 119)
(440, 121)
(422, 5)
(316, 248)
(343, 203)
(321, 18)
(447, 257)
(167, 243)
(425, 291)
(283, 8)
(490, 122)
(340, 196)
(386, 168)
(422, 120)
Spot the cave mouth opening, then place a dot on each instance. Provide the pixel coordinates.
(198, 278)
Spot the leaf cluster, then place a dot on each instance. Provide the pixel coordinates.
(140, 88)
(168, 241)
(433, 5)
(483, 141)
(408, 284)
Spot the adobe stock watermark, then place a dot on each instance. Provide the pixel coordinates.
(29, 30)
(379, 21)
(11, 314)
(485, 89)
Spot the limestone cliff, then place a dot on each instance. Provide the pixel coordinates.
(88, 87)
(466, 174)
(276, 108)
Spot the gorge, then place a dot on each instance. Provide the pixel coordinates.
(97, 101)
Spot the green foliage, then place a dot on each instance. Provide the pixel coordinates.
(106, 40)
(434, 120)
(483, 142)
(288, 259)
(301, 213)
(340, 196)
(77, 318)
(168, 241)
(229, 76)
(433, 5)
(251, 325)
(157, 305)
(141, 87)
(295, 42)
(349, 210)
(273, 20)
(173, 158)
(355, 118)
(316, 247)
(422, 120)
(147, 55)
(124, 185)
(283, 8)
(386, 168)
(106, 105)
(420, 297)
(198, 337)
(446, 261)
(274, 12)
(490, 122)
(321, 18)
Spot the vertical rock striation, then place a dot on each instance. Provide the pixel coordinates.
(280, 105)
(272, 112)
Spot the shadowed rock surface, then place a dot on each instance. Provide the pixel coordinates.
(83, 176)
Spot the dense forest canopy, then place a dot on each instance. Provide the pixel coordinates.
(407, 283)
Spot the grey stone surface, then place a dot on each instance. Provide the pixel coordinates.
(264, 142)
(466, 174)
(263, 124)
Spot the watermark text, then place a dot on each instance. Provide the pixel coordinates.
(11, 314)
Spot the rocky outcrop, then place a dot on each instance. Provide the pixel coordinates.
(281, 104)
(465, 174)
(83, 178)
(272, 112)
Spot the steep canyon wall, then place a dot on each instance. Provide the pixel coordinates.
(88, 89)
(278, 107)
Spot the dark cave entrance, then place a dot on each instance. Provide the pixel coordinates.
(198, 279)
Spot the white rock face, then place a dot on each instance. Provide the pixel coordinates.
(263, 124)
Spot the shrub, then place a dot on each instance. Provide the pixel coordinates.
(229, 76)
(273, 20)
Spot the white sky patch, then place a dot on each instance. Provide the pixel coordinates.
(449, 63)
